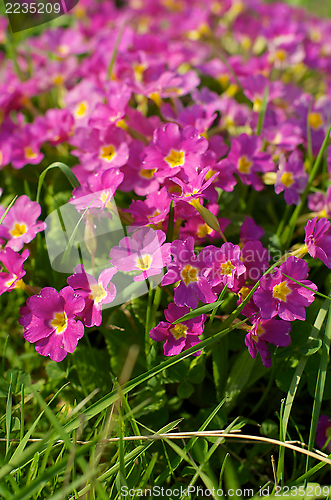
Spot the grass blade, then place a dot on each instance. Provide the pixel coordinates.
(65, 169)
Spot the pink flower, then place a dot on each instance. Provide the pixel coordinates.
(174, 150)
(317, 241)
(291, 177)
(272, 330)
(26, 146)
(52, 326)
(181, 336)
(280, 295)
(323, 432)
(14, 272)
(95, 293)
(144, 251)
(190, 270)
(246, 154)
(20, 225)
(250, 231)
(225, 264)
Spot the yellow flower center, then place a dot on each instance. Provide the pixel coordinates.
(189, 274)
(98, 293)
(29, 153)
(1, 157)
(156, 98)
(258, 332)
(10, 282)
(148, 173)
(280, 55)
(243, 292)
(63, 49)
(281, 291)
(138, 71)
(58, 80)
(203, 230)
(257, 104)
(107, 153)
(315, 120)
(244, 165)
(176, 158)
(60, 322)
(18, 230)
(179, 331)
(144, 263)
(81, 109)
(227, 268)
(209, 174)
(287, 179)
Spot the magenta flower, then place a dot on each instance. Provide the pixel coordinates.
(153, 210)
(247, 156)
(12, 262)
(181, 336)
(174, 150)
(20, 225)
(144, 251)
(100, 190)
(291, 177)
(250, 231)
(272, 330)
(224, 263)
(280, 295)
(101, 148)
(195, 188)
(323, 432)
(190, 270)
(96, 293)
(317, 241)
(26, 146)
(52, 326)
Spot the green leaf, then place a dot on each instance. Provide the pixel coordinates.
(220, 354)
(2, 218)
(197, 312)
(185, 389)
(262, 110)
(93, 367)
(55, 371)
(269, 428)
(196, 372)
(65, 169)
(310, 347)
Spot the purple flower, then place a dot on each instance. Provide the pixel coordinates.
(246, 154)
(250, 231)
(280, 295)
(174, 150)
(95, 293)
(272, 330)
(20, 225)
(144, 251)
(323, 432)
(181, 336)
(225, 264)
(318, 243)
(190, 271)
(291, 177)
(52, 326)
(11, 277)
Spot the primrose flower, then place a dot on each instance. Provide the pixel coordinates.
(318, 241)
(280, 295)
(225, 264)
(272, 330)
(52, 325)
(291, 177)
(174, 150)
(96, 293)
(246, 154)
(100, 190)
(181, 336)
(144, 251)
(250, 231)
(11, 277)
(323, 432)
(26, 146)
(190, 270)
(20, 225)
(153, 210)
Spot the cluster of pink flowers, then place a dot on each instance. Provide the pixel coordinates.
(139, 119)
